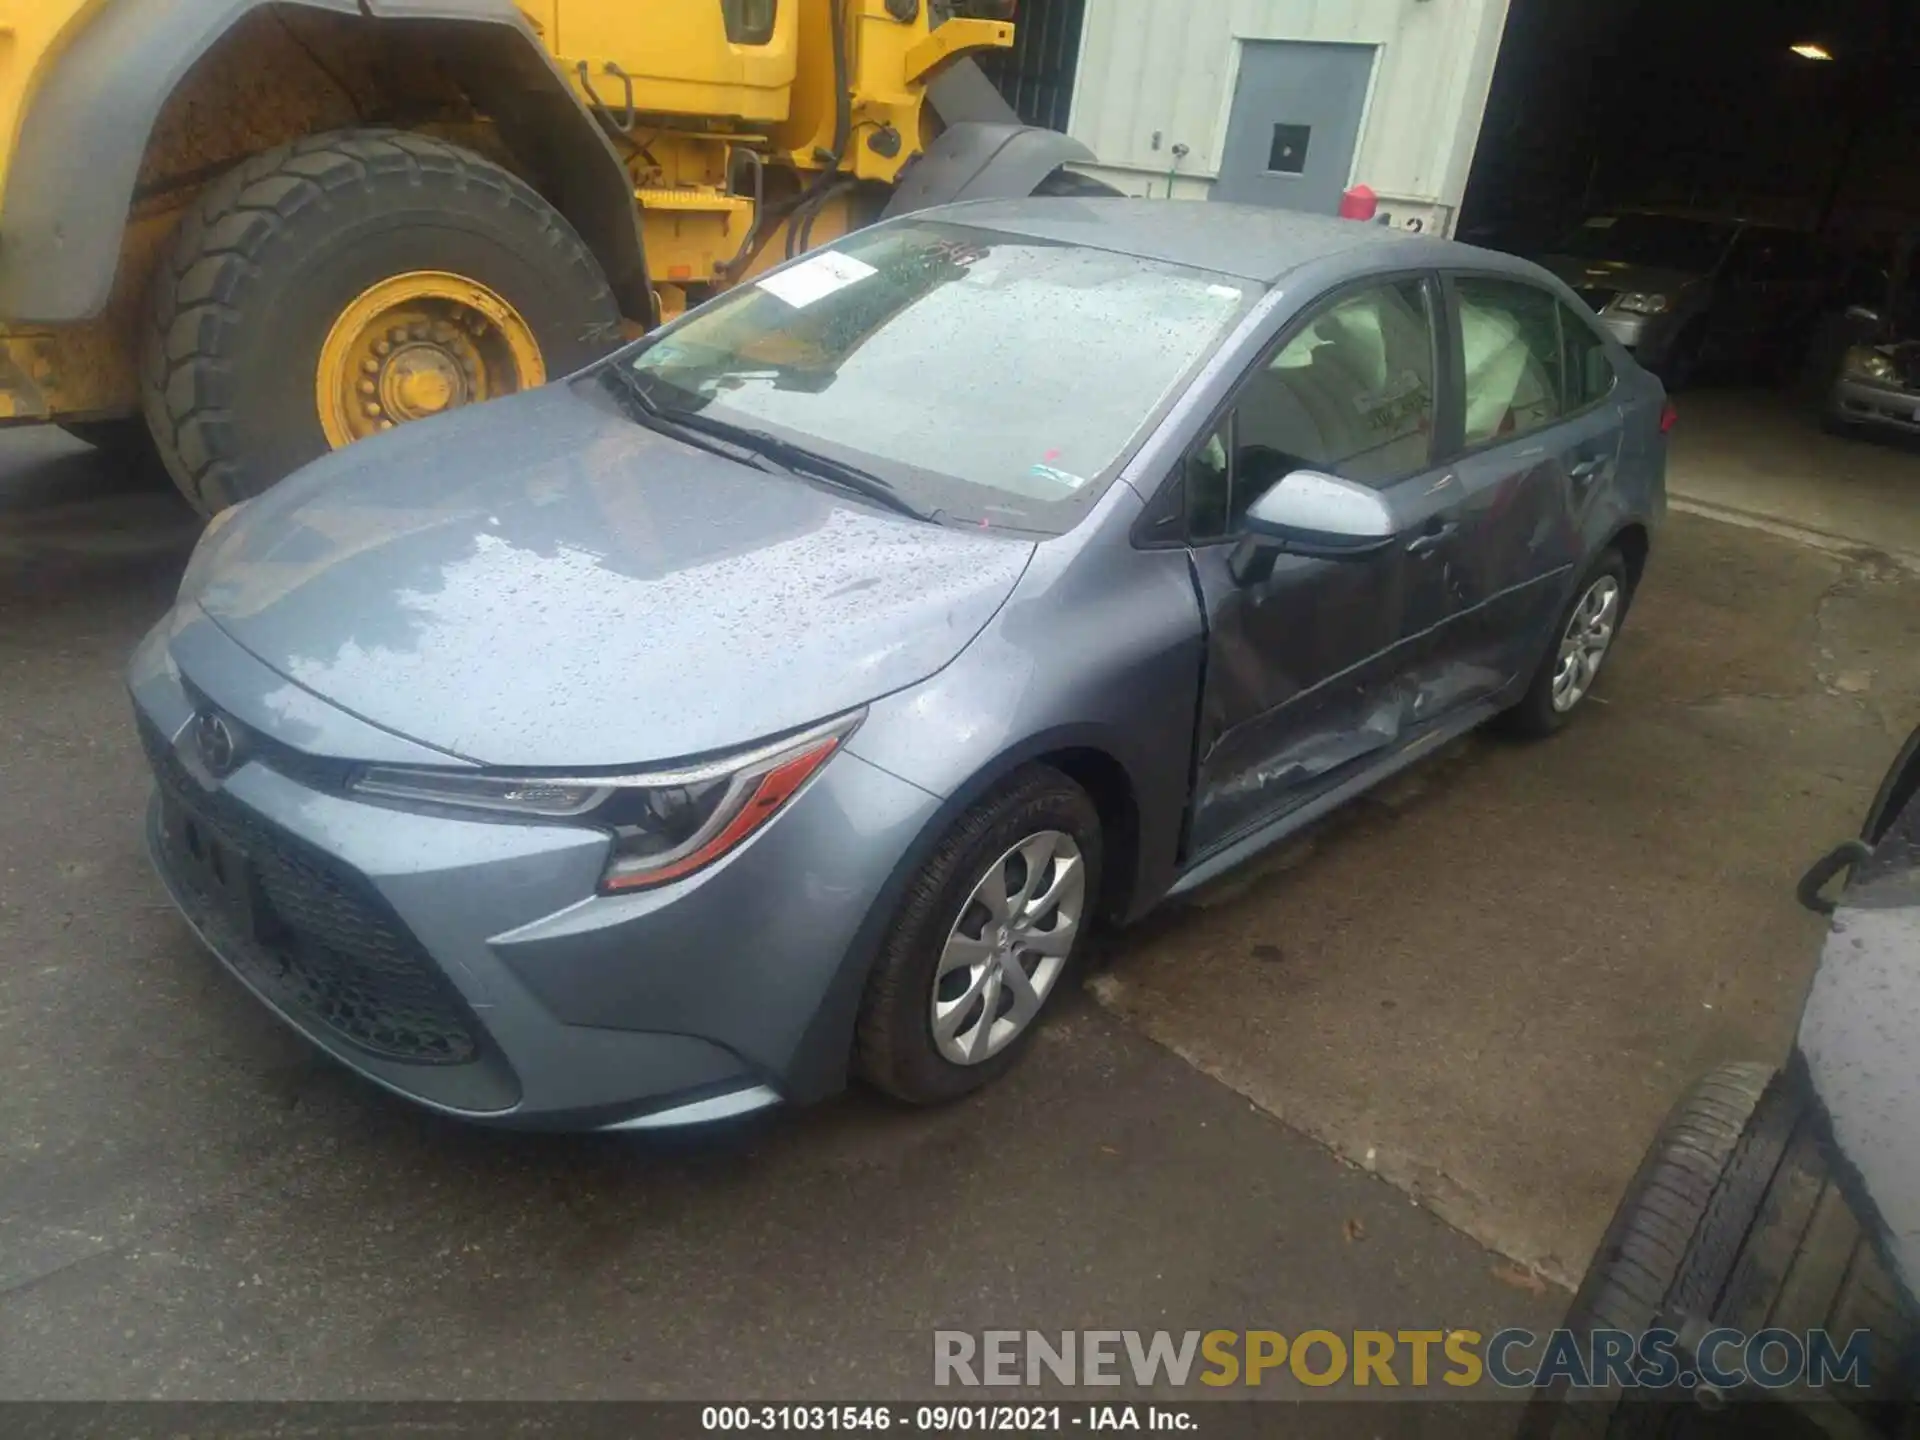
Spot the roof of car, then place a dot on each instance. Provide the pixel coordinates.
(1249, 242)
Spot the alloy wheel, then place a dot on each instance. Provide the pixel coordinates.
(1008, 947)
(1585, 642)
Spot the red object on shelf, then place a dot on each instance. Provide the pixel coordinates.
(1359, 203)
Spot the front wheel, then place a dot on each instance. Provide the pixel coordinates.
(348, 283)
(989, 930)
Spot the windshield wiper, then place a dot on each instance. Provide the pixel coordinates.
(802, 461)
(682, 426)
(793, 458)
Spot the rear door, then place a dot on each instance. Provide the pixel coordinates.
(1539, 437)
(1306, 657)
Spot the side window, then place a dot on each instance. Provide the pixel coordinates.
(1209, 486)
(1510, 336)
(1351, 393)
(1589, 373)
(749, 22)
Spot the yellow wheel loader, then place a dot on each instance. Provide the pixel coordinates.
(238, 233)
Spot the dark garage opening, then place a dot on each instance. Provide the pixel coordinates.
(1701, 105)
(1778, 140)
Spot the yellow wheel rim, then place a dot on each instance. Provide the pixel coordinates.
(416, 345)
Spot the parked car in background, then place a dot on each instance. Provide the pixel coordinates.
(1689, 293)
(788, 693)
(1867, 356)
(1789, 1196)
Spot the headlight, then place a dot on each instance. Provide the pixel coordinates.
(1642, 302)
(665, 824)
(1866, 363)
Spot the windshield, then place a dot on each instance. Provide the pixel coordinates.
(1662, 240)
(990, 378)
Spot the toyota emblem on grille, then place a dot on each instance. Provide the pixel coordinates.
(219, 747)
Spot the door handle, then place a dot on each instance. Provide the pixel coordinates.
(1432, 538)
(1587, 469)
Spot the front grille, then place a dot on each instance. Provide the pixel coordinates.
(338, 955)
(1596, 300)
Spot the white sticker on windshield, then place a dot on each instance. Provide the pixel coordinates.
(816, 277)
(1223, 292)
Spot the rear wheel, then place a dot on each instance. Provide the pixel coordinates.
(1582, 641)
(348, 283)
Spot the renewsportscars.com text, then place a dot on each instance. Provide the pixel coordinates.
(1511, 1359)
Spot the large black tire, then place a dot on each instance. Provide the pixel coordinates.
(276, 250)
(1533, 716)
(895, 1049)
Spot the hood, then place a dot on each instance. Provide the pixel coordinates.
(1613, 276)
(1856, 1039)
(543, 582)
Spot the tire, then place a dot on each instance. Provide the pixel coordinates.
(1677, 1219)
(896, 1049)
(1064, 182)
(1735, 1218)
(1535, 715)
(278, 250)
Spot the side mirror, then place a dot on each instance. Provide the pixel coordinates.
(1308, 513)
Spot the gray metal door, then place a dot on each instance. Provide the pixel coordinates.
(1295, 124)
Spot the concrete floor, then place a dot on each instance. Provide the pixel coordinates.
(1755, 456)
(1485, 985)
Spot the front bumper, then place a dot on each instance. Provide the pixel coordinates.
(1855, 402)
(473, 966)
(1647, 337)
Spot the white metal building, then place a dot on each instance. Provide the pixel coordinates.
(1287, 102)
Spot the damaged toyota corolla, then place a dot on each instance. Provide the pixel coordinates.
(784, 697)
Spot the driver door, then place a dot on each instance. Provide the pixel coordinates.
(1308, 659)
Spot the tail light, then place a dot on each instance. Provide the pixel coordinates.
(1669, 417)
